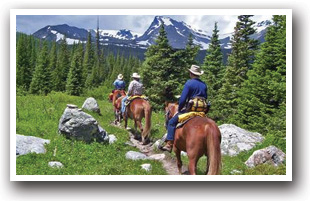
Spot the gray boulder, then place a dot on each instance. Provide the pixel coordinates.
(30, 144)
(112, 139)
(271, 155)
(157, 157)
(235, 139)
(147, 167)
(78, 125)
(133, 155)
(91, 105)
(159, 143)
(55, 164)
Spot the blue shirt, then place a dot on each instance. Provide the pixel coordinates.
(119, 84)
(192, 88)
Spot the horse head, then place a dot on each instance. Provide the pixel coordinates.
(170, 110)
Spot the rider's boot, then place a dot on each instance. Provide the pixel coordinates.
(168, 146)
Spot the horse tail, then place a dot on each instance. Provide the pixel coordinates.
(147, 115)
(213, 142)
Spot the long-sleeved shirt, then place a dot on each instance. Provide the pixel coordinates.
(135, 88)
(119, 84)
(192, 88)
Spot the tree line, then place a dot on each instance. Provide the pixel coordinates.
(43, 66)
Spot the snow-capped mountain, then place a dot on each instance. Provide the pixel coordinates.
(58, 32)
(177, 33)
(74, 34)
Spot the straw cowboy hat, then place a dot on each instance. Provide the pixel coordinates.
(135, 75)
(120, 77)
(196, 70)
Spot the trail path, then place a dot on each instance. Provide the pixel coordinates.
(169, 163)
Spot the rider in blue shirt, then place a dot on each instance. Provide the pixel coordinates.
(192, 88)
(119, 83)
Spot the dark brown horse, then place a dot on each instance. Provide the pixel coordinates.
(199, 136)
(137, 110)
(117, 97)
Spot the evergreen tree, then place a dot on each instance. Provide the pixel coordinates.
(214, 70)
(158, 71)
(53, 58)
(61, 72)
(183, 59)
(239, 62)
(89, 59)
(23, 65)
(262, 102)
(74, 84)
(213, 65)
(41, 81)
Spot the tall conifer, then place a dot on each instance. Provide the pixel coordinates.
(239, 62)
(41, 81)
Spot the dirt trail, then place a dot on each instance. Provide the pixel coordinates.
(169, 163)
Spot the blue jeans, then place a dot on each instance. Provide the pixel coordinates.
(123, 104)
(172, 123)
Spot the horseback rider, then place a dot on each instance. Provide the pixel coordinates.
(135, 89)
(193, 88)
(119, 83)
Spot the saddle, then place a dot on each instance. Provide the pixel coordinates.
(131, 98)
(184, 118)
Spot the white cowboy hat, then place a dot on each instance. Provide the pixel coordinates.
(120, 77)
(135, 75)
(196, 70)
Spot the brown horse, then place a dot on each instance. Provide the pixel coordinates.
(117, 97)
(199, 136)
(137, 110)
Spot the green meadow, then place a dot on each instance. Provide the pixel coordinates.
(39, 116)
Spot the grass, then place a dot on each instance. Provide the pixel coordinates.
(39, 116)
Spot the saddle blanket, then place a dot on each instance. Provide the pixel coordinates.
(131, 98)
(183, 118)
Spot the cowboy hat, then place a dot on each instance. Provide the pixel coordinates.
(120, 77)
(196, 70)
(135, 75)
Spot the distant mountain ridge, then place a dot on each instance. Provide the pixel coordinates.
(177, 33)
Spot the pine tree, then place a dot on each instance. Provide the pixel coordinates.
(183, 59)
(88, 61)
(74, 84)
(53, 59)
(61, 72)
(262, 102)
(158, 71)
(23, 65)
(41, 81)
(239, 62)
(213, 65)
(214, 71)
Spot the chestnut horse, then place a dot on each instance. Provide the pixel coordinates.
(117, 97)
(199, 136)
(137, 110)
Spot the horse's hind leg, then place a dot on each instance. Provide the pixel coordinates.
(193, 159)
(179, 161)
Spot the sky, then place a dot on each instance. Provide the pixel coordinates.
(136, 23)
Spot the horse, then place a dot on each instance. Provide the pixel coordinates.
(117, 97)
(199, 136)
(137, 110)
